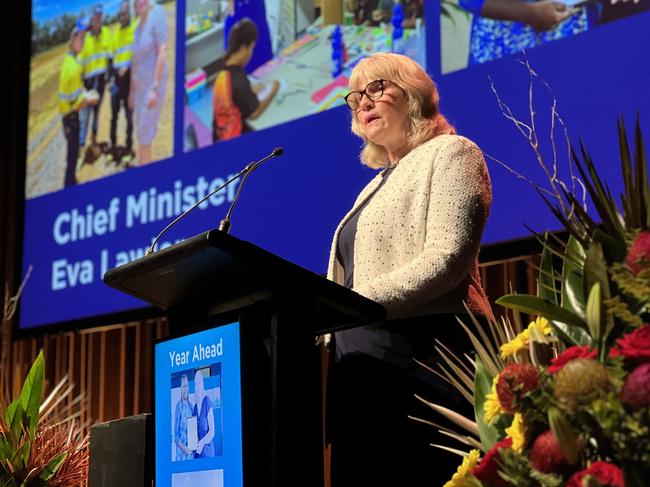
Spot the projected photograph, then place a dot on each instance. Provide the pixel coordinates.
(197, 421)
(101, 89)
(257, 64)
(479, 31)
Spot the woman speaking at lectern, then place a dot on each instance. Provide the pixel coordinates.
(411, 243)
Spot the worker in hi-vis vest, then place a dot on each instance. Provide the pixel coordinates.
(121, 74)
(95, 58)
(72, 98)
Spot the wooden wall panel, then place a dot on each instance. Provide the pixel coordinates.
(111, 365)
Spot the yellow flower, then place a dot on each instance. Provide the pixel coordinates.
(460, 477)
(542, 325)
(492, 407)
(518, 432)
(521, 341)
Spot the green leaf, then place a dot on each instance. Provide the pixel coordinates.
(613, 250)
(31, 395)
(539, 306)
(52, 467)
(546, 284)
(604, 204)
(573, 297)
(20, 457)
(642, 189)
(572, 293)
(482, 387)
(595, 270)
(10, 413)
(564, 435)
(17, 421)
(595, 312)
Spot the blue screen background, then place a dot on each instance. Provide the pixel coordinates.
(292, 204)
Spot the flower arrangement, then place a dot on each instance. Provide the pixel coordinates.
(40, 442)
(566, 400)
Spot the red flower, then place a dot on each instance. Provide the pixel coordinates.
(487, 471)
(607, 474)
(636, 390)
(614, 352)
(635, 346)
(545, 455)
(638, 257)
(568, 355)
(515, 381)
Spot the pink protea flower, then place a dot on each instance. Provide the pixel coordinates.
(636, 390)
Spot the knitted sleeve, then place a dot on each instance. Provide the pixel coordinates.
(459, 202)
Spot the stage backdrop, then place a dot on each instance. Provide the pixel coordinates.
(594, 66)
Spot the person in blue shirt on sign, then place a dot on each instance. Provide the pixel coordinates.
(183, 411)
(502, 27)
(205, 419)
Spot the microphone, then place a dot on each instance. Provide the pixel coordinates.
(225, 224)
(244, 172)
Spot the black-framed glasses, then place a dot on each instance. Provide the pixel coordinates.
(373, 90)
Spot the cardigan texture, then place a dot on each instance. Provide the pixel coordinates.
(417, 240)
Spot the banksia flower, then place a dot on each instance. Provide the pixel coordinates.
(546, 455)
(514, 382)
(636, 390)
(580, 381)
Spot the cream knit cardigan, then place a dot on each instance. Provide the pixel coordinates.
(417, 240)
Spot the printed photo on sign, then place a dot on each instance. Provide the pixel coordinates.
(254, 64)
(101, 89)
(197, 421)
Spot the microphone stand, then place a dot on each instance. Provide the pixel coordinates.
(225, 223)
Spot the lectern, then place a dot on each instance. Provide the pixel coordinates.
(215, 279)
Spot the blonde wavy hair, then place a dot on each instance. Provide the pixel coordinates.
(424, 120)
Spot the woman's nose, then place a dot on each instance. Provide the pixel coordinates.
(365, 103)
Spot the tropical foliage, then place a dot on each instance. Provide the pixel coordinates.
(40, 442)
(566, 400)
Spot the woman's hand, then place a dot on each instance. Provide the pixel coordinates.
(152, 97)
(199, 446)
(545, 15)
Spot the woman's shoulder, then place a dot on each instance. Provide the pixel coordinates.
(444, 147)
(450, 141)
